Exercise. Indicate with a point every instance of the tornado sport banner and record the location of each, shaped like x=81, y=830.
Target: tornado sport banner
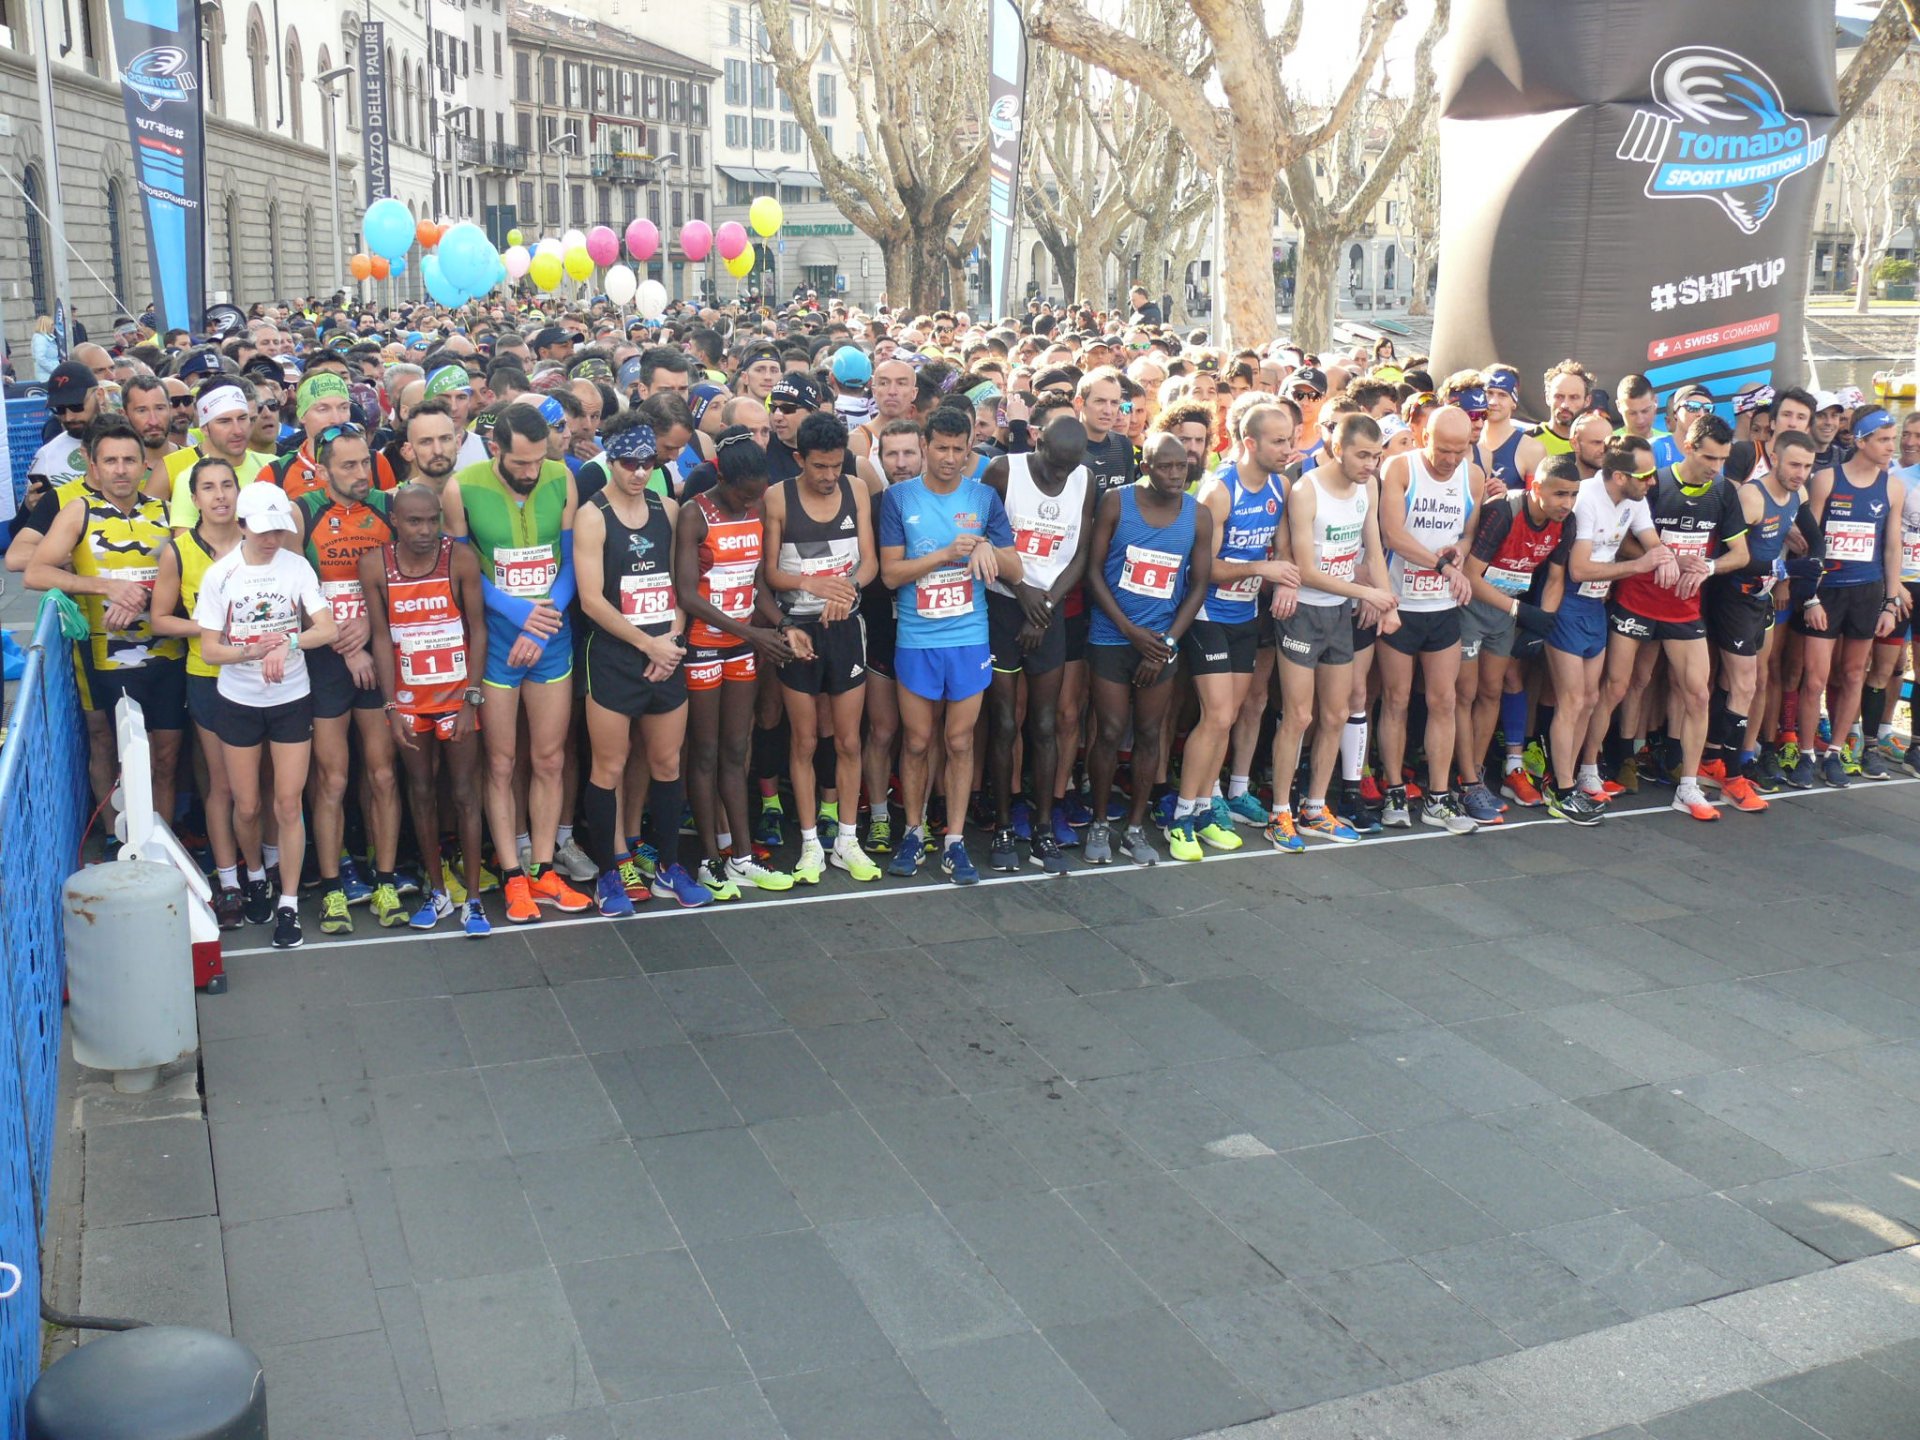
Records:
x=1632, y=183
x=159, y=45
x=1006, y=116
x=373, y=108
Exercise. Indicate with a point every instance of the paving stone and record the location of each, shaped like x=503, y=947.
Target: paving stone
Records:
x=255, y=1074
x=1048, y=1259
x=1530, y=1296
x=1153, y=1377
x=358, y=1142
x=718, y=1186
x=1039, y=910
x=1497, y=1174
x=340, y=1388
x=1285, y=1348
x=721, y=1000
x=1820, y=1212
x=376, y=1215
x=1404, y=1316
x=1803, y=1026
x=876, y=1063
x=1010, y=1385
x=427, y=1119
x=1394, y=1196
x=411, y=1354
x=977, y=1049
x=1095, y=901
x=1273, y=1106
x=1538, y=1051
x=1629, y=1264
x=173, y=1268
x=1258, y=1011
x=1456, y=1070
x=1848, y=1401
x=1687, y=1136
x=815, y=992
x=375, y=974
x=952, y=1151
x=1832, y=989
x=771, y=1077
x=1742, y=1414
x=789, y=1306
x=594, y=1424
x=1809, y=1133
x=493, y=966
x=1062, y=1134
x=1374, y=1092
x=594, y=1202
x=663, y=1090
x=728, y=1412
x=406, y=1037
x=1082, y=962
x=148, y=1170
x=1429, y=986
x=1169, y=1240
x=1596, y=1156
x=298, y=1277
x=1077, y=1040
x=1730, y=1239
x=1171, y=1027
x=550, y=1104
x=1502, y=969
x=506, y=1348
x=1896, y=1066
x=649, y=1325
x=1294, y=1224
x=877, y=1398
x=920, y=1282
x=837, y=1168
x=1887, y=1186
x=622, y=1013
x=466, y=1218
x=595, y=952
x=278, y=1162
x=508, y=1025
x=1168, y=1118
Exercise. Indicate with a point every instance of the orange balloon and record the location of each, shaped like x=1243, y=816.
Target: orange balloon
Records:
x=426, y=232
x=360, y=266
x=381, y=269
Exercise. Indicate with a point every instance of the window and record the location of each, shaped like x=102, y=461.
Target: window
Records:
x=733, y=25
x=313, y=245
x=736, y=82
x=696, y=151
x=736, y=130
x=117, y=243
x=296, y=91
x=577, y=203
x=762, y=86
x=679, y=209
x=526, y=201
x=826, y=47
x=420, y=104
x=629, y=202
x=523, y=130
x=673, y=145
x=826, y=133
x=628, y=88
x=786, y=103
x=576, y=89
x=233, y=246
x=273, y=245
x=480, y=44
x=828, y=97
x=349, y=86
x=697, y=103
x=257, y=65
x=653, y=206
x=602, y=88
x=699, y=204
x=676, y=102
x=497, y=70
x=549, y=80
x=789, y=138
x=35, y=193
x=762, y=134
x=604, y=202
x=523, y=77
x=554, y=219
x=650, y=96
x=549, y=131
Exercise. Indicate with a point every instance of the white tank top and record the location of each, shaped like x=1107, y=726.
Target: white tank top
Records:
x=1046, y=528
x=1910, y=525
x=1339, y=539
x=1437, y=512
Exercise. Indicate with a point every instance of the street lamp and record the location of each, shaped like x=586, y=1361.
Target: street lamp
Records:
x=558, y=145
x=326, y=80
x=773, y=265
x=445, y=202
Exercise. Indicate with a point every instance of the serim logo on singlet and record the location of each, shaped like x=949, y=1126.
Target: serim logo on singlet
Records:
x=1722, y=133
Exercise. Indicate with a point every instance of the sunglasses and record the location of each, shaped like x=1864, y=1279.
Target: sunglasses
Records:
x=1476, y=413
x=1126, y=407
x=1696, y=407
x=1643, y=474
x=785, y=408
x=180, y=402
x=630, y=462
x=69, y=409
x=349, y=431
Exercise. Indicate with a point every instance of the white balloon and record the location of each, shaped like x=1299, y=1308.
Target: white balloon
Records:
x=573, y=239
x=621, y=284
x=550, y=246
x=651, y=300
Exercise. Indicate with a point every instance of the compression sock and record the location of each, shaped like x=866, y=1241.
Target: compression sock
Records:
x=1353, y=748
x=1513, y=721
x=1873, y=708
x=665, y=800
x=601, y=810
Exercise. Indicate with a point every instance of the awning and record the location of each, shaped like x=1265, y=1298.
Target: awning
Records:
x=818, y=252
x=747, y=175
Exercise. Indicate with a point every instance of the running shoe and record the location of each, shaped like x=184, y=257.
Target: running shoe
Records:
x=1533, y=761
x=767, y=829
x=1628, y=776
x=1799, y=772
x=761, y=877
x=1247, y=810
x=286, y=928
x=406, y=881
x=1912, y=758
x=1117, y=809
x=1519, y=788
x=1739, y=793
x=1765, y=774
x=1021, y=814
x=1609, y=790
x=1064, y=835
x=335, y=918
x=908, y=855
x=674, y=883
x=571, y=861
x=1833, y=770
x=1075, y=809
x=521, y=906
x=1692, y=800
x=473, y=919
x=636, y=880
x=1395, y=811
x=716, y=882
x=1873, y=765
x=1005, y=854
x=1479, y=805
x=229, y=907
x=1713, y=774
x=387, y=910
x=450, y=882
x=435, y=906
x=1654, y=767
x=1045, y=852
x=1099, y=846
x=812, y=863
x=259, y=895
x=489, y=879
x=1322, y=823
x=1182, y=842
x=610, y=893
x=1370, y=791
x=880, y=834
x=1279, y=832
x=688, y=826
x=1137, y=848
x=1221, y=822
x=1576, y=807
x=957, y=864
x=828, y=822
x=1160, y=814
x=353, y=883
x=549, y=889
x=1890, y=750
x=1444, y=812
x=848, y=856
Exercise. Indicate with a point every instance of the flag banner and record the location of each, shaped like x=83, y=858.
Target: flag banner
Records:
x=1006, y=116
x=1632, y=184
x=159, y=42
x=373, y=107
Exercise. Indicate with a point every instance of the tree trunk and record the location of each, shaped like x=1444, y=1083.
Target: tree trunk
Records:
x=1066, y=264
x=1863, y=284
x=917, y=270
x=1249, y=309
x=1417, y=279
x=1315, y=281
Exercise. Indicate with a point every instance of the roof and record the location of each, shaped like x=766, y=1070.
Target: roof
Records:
x=747, y=175
x=552, y=24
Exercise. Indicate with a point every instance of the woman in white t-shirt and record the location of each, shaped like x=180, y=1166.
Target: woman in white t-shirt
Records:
x=260, y=608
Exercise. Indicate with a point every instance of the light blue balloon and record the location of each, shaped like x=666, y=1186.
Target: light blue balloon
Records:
x=467, y=257
x=397, y=267
x=439, y=285
x=387, y=229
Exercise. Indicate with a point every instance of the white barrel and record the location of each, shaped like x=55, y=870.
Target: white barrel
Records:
x=129, y=970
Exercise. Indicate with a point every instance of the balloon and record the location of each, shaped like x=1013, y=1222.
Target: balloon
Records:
x=550, y=246
x=741, y=265
x=643, y=239
x=514, y=237
x=730, y=239
x=443, y=290
x=427, y=234
x=545, y=270
x=603, y=245
x=696, y=238
x=578, y=263
x=516, y=259
x=388, y=228
x=765, y=215
x=651, y=302
x=573, y=240
x=360, y=266
x=621, y=283
x=381, y=267
x=466, y=256
x=397, y=267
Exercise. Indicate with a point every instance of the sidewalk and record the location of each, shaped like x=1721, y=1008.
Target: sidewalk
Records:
x=1536, y=1134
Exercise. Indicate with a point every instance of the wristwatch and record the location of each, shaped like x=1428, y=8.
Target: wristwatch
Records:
x=1167, y=640
x=474, y=695
x=679, y=639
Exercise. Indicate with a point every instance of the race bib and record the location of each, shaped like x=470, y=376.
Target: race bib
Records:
x=1247, y=587
x=349, y=602
x=246, y=631
x=1150, y=572
x=1685, y=543
x=433, y=654
x=1596, y=589
x=944, y=595
x=1910, y=554
x=1851, y=539
x=1423, y=584
x=142, y=575
x=841, y=565
x=1341, y=566
x=1510, y=582
x=1039, y=539
x=528, y=572
x=730, y=589
x=646, y=599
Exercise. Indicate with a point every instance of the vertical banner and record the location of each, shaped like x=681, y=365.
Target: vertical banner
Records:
x=159, y=41
x=1006, y=116
x=1632, y=183
x=373, y=107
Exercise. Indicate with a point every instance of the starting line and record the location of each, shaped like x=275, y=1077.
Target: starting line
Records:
x=881, y=890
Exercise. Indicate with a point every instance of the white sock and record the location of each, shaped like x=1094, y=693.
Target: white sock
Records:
x=523, y=841
x=230, y=876
x=1353, y=747
x=1238, y=785
x=1319, y=804
x=1216, y=790
x=809, y=836
x=290, y=902
x=1281, y=807
x=270, y=854
x=253, y=874
x=565, y=834
x=845, y=841
x=724, y=839
x=1883, y=732
x=1588, y=777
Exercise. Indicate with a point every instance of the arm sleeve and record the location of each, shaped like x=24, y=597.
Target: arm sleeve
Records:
x=511, y=608
x=565, y=584
x=1496, y=520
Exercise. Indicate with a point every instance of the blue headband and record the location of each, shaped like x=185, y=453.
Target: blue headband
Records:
x=631, y=444
x=1871, y=425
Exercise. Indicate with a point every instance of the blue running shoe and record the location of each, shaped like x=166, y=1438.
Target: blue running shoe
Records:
x=674, y=883
x=474, y=920
x=1160, y=816
x=1064, y=834
x=958, y=864
x=1117, y=809
x=767, y=829
x=1247, y=810
x=907, y=855
x=1075, y=808
x=433, y=909
x=1021, y=814
x=1833, y=770
x=354, y=881
x=611, y=893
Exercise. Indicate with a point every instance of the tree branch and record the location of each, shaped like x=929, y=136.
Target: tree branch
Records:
x=1893, y=29
x=1069, y=25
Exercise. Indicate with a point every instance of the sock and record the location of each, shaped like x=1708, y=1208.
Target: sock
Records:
x=562, y=835
x=230, y=877
x=290, y=902
x=1353, y=747
x=600, y=808
x=1280, y=805
x=522, y=841
x=809, y=835
x=385, y=877
x=955, y=838
x=1216, y=791
x=1587, y=777
x=1319, y=803
x=511, y=872
x=1239, y=785
x=329, y=884
x=665, y=800
x=830, y=810
x=723, y=839
x=1873, y=709
x=1513, y=718
x=254, y=876
x=270, y=855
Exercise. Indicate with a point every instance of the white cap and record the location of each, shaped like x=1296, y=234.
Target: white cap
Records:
x=263, y=507
x=1826, y=400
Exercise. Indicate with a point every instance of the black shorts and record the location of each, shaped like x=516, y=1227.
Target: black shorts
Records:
x=877, y=615
x=203, y=699
x=1005, y=620
x=1633, y=626
x=1220, y=647
x=1364, y=636
x=334, y=692
x=839, y=661
x=158, y=687
x=1077, y=628
x=1737, y=622
x=1423, y=632
x=1852, y=611
x=1118, y=663
x=288, y=723
x=616, y=678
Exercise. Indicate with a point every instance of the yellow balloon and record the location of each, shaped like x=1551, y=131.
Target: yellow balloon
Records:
x=514, y=237
x=741, y=265
x=545, y=271
x=765, y=215
x=578, y=262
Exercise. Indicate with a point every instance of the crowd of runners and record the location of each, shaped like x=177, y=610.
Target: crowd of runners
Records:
x=594, y=612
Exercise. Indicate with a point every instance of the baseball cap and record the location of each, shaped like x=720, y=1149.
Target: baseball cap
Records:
x=796, y=390
x=851, y=365
x=1822, y=400
x=699, y=397
x=69, y=383
x=1311, y=377
x=264, y=367
x=200, y=362
x=550, y=335
x=264, y=509
x=629, y=375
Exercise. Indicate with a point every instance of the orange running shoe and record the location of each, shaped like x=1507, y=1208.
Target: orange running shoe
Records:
x=1608, y=789
x=1700, y=809
x=1370, y=791
x=1519, y=788
x=1714, y=773
x=521, y=909
x=1739, y=792
x=550, y=889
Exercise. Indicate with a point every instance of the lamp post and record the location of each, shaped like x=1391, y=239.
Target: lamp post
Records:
x=773, y=267
x=559, y=145
x=326, y=80
x=661, y=163
x=445, y=202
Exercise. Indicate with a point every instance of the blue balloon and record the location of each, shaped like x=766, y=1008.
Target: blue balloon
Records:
x=439, y=285
x=397, y=267
x=387, y=229
x=467, y=257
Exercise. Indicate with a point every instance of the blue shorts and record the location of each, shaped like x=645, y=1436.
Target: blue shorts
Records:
x=958, y=672
x=556, y=663
x=1580, y=627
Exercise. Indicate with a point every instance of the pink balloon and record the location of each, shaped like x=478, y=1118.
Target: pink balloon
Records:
x=732, y=239
x=696, y=238
x=603, y=245
x=643, y=239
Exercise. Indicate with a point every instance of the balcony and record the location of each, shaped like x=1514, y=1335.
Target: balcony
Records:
x=624, y=169
x=469, y=151
x=509, y=158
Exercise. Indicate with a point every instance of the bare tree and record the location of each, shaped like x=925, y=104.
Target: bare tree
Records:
x=919, y=74
x=1420, y=185
x=1875, y=158
x=1895, y=28
x=1256, y=135
x=1068, y=191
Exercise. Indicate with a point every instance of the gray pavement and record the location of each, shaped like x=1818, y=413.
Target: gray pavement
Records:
x=1541, y=1133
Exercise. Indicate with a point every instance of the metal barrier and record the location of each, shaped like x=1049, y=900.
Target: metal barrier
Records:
x=43, y=811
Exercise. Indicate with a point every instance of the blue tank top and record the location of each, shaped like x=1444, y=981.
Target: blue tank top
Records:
x=1253, y=518
x=1506, y=463
x=1766, y=542
x=1853, y=531
x=1146, y=569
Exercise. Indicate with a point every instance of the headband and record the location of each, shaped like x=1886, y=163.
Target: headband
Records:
x=323, y=386
x=633, y=443
x=1873, y=424
x=222, y=400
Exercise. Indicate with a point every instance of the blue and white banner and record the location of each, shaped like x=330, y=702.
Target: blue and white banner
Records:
x=159, y=45
x=373, y=108
x=1006, y=118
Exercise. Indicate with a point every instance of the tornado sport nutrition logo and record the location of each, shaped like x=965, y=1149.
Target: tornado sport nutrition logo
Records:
x=1722, y=134
x=161, y=76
